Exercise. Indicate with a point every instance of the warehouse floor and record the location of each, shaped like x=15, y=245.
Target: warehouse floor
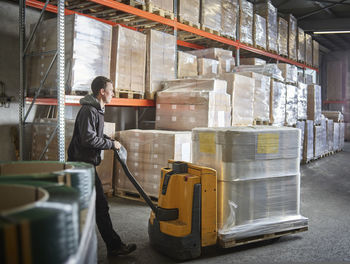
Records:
x=325, y=200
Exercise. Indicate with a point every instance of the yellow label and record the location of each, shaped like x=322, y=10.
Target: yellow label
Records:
x=268, y=143
x=207, y=143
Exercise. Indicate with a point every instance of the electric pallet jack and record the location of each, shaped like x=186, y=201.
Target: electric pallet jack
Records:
x=185, y=219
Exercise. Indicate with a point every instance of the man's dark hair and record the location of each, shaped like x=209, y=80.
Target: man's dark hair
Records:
x=100, y=82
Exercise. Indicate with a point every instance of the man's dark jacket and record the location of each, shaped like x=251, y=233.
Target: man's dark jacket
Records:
x=88, y=138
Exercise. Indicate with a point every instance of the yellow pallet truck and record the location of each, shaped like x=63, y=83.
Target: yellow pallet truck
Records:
x=185, y=219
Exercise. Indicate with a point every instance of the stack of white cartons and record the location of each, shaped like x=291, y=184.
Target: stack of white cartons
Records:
x=308, y=153
x=282, y=36
x=324, y=135
x=160, y=60
x=277, y=103
x=308, y=49
x=336, y=144
x=291, y=105
x=341, y=135
x=258, y=172
x=259, y=31
x=245, y=25
x=314, y=103
x=188, y=103
x=149, y=151
x=270, y=69
x=186, y=65
x=318, y=141
x=301, y=45
x=229, y=14
x=330, y=135
x=292, y=37
x=87, y=55
x=242, y=89
x=289, y=72
x=302, y=101
x=301, y=126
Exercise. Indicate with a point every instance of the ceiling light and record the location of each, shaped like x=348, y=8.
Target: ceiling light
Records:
x=332, y=32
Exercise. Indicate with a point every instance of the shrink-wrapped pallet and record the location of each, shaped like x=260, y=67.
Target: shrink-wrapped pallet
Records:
x=314, y=103
x=291, y=105
x=270, y=69
x=166, y=5
x=301, y=45
x=229, y=14
x=292, y=37
x=308, y=141
x=226, y=64
x=301, y=125
x=269, y=12
x=148, y=152
x=324, y=135
x=252, y=61
x=187, y=65
x=211, y=53
x=308, y=49
x=128, y=60
x=188, y=11
x=289, y=72
x=336, y=116
x=302, y=101
x=261, y=104
x=259, y=31
x=277, y=103
x=341, y=135
x=188, y=103
x=318, y=142
x=282, y=36
x=336, y=133
x=330, y=134
x=258, y=172
x=87, y=55
x=315, y=53
x=208, y=67
x=160, y=60
x=245, y=25
x=210, y=17
x=241, y=88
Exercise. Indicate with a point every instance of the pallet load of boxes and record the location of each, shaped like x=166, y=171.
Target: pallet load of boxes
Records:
x=254, y=122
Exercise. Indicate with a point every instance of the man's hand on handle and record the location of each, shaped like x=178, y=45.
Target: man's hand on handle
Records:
x=117, y=145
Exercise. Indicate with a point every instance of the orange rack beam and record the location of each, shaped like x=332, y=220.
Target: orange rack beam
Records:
x=72, y=100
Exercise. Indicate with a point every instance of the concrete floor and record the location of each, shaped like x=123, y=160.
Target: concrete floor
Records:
x=325, y=200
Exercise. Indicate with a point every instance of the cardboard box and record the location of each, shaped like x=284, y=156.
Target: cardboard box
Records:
x=301, y=45
x=229, y=17
x=314, y=103
x=188, y=10
x=259, y=31
x=245, y=25
x=277, y=103
x=292, y=37
x=211, y=15
x=282, y=36
x=187, y=65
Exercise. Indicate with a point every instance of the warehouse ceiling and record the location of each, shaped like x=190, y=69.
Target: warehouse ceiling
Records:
x=322, y=15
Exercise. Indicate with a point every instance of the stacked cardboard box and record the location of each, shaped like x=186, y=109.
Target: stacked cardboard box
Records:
x=291, y=105
x=245, y=25
x=315, y=53
x=188, y=10
x=128, y=60
x=330, y=135
x=87, y=55
x=292, y=37
x=336, y=143
x=241, y=88
x=302, y=101
x=149, y=151
x=160, y=60
x=229, y=14
x=259, y=31
x=282, y=36
x=252, y=61
x=208, y=67
x=277, y=103
x=289, y=72
x=211, y=53
x=258, y=173
x=301, y=45
x=211, y=14
x=166, y=5
x=186, y=65
x=341, y=135
x=318, y=147
x=269, y=12
x=308, y=141
x=301, y=125
x=188, y=103
x=308, y=49
x=324, y=135
x=314, y=103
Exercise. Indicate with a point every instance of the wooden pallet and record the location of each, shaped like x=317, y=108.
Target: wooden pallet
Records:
x=261, y=123
x=158, y=11
x=135, y=196
x=109, y=193
x=189, y=23
x=273, y=51
x=306, y=161
x=128, y=94
x=133, y=3
x=239, y=242
x=209, y=30
x=260, y=47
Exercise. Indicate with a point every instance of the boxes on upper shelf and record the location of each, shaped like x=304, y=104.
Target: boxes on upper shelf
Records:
x=291, y=105
x=301, y=45
x=245, y=25
x=259, y=31
x=315, y=53
x=308, y=49
x=210, y=17
x=188, y=11
x=229, y=14
x=282, y=36
x=292, y=37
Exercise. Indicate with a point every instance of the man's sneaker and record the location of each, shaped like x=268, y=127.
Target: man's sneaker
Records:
x=123, y=250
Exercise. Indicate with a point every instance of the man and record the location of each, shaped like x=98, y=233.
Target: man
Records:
x=86, y=145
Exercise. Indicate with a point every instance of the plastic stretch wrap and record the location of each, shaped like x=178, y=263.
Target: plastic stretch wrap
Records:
x=291, y=105
x=282, y=36
x=187, y=65
x=324, y=135
x=330, y=134
x=341, y=135
x=336, y=136
x=189, y=103
x=87, y=54
x=309, y=79
x=314, y=103
x=292, y=37
x=259, y=31
x=269, y=12
x=261, y=107
x=148, y=152
x=211, y=53
x=128, y=59
x=252, y=61
x=270, y=69
x=308, y=49
x=188, y=10
x=336, y=116
x=241, y=88
x=160, y=60
x=255, y=195
x=226, y=64
x=318, y=142
x=245, y=26
x=229, y=13
x=315, y=53
x=301, y=45
x=301, y=126
x=211, y=14
x=208, y=67
x=166, y=5
x=289, y=72
x=277, y=103
x=308, y=141
x=302, y=101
